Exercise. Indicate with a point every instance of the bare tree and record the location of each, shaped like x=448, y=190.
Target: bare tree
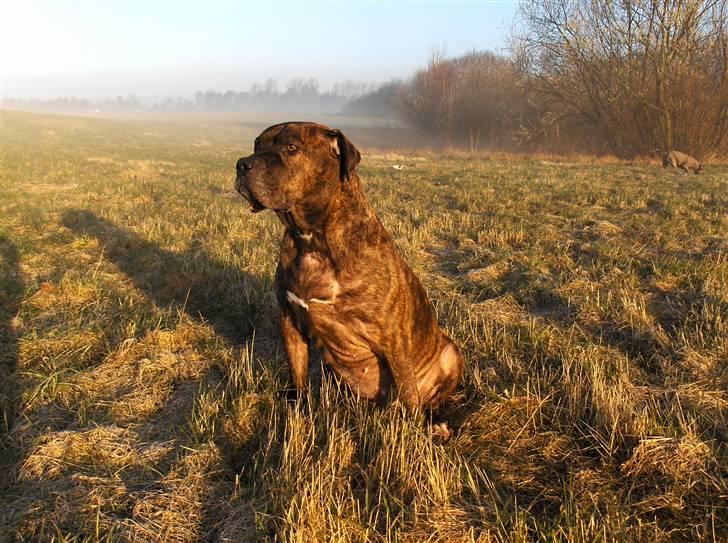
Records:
x=473, y=99
x=639, y=74
x=485, y=84
x=427, y=102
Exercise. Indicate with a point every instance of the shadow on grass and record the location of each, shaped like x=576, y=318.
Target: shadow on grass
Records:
x=230, y=300
x=11, y=289
x=226, y=297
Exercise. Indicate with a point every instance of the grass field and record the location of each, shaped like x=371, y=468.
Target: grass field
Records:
x=143, y=375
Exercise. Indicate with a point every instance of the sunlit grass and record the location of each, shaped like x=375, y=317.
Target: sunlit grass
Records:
x=145, y=398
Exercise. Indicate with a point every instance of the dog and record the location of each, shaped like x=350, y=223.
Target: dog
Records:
x=676, y=159
x=340, y=280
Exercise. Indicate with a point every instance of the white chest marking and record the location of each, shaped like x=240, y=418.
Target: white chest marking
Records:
x=320, y=301
x=300, y=301
x=296, y=300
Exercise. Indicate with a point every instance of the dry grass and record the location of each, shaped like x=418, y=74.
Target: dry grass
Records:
x=144, y=394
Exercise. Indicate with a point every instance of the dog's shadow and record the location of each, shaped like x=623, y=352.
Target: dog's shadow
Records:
x=11, y=292
x=223, y=295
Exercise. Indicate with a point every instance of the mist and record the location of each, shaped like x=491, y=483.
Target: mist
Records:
x=159, y=51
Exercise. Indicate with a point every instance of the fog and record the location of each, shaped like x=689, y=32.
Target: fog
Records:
x=159, y=52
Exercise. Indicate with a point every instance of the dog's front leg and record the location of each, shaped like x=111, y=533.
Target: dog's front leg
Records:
x=296, y=345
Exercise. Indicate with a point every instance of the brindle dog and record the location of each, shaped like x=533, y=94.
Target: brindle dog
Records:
x=340, y=279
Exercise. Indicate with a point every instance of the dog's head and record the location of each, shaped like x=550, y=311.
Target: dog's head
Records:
x=294, y=165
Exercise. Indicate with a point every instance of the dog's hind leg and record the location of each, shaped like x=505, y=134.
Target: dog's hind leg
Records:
x=443, y=375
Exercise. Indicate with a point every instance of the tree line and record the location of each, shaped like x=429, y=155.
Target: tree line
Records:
x=301, y=95
x=627, y=77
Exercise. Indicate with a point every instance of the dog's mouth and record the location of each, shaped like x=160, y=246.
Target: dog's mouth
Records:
x=253, y=203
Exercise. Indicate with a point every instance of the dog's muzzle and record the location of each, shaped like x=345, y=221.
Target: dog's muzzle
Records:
x=255, y=205
x=244, y=166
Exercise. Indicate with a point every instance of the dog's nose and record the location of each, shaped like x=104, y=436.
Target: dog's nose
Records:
x=244, y=165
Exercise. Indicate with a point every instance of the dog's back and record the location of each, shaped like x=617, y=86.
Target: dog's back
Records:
x=676, y=159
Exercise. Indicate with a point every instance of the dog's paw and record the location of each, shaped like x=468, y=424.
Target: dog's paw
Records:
x=441, y=431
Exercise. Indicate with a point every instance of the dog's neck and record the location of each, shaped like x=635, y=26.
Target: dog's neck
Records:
x=344, y=225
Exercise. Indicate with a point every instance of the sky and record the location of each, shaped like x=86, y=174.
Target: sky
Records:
x=155, y=49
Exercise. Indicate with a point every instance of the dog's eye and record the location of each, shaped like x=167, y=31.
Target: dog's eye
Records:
x=290, y=147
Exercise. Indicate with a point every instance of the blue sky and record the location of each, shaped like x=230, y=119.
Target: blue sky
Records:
x=161, y=48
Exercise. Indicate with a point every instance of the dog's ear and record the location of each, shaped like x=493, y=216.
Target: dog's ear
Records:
x=341, y=148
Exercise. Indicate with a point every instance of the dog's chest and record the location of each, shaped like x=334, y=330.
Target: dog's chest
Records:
x=311, y=282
